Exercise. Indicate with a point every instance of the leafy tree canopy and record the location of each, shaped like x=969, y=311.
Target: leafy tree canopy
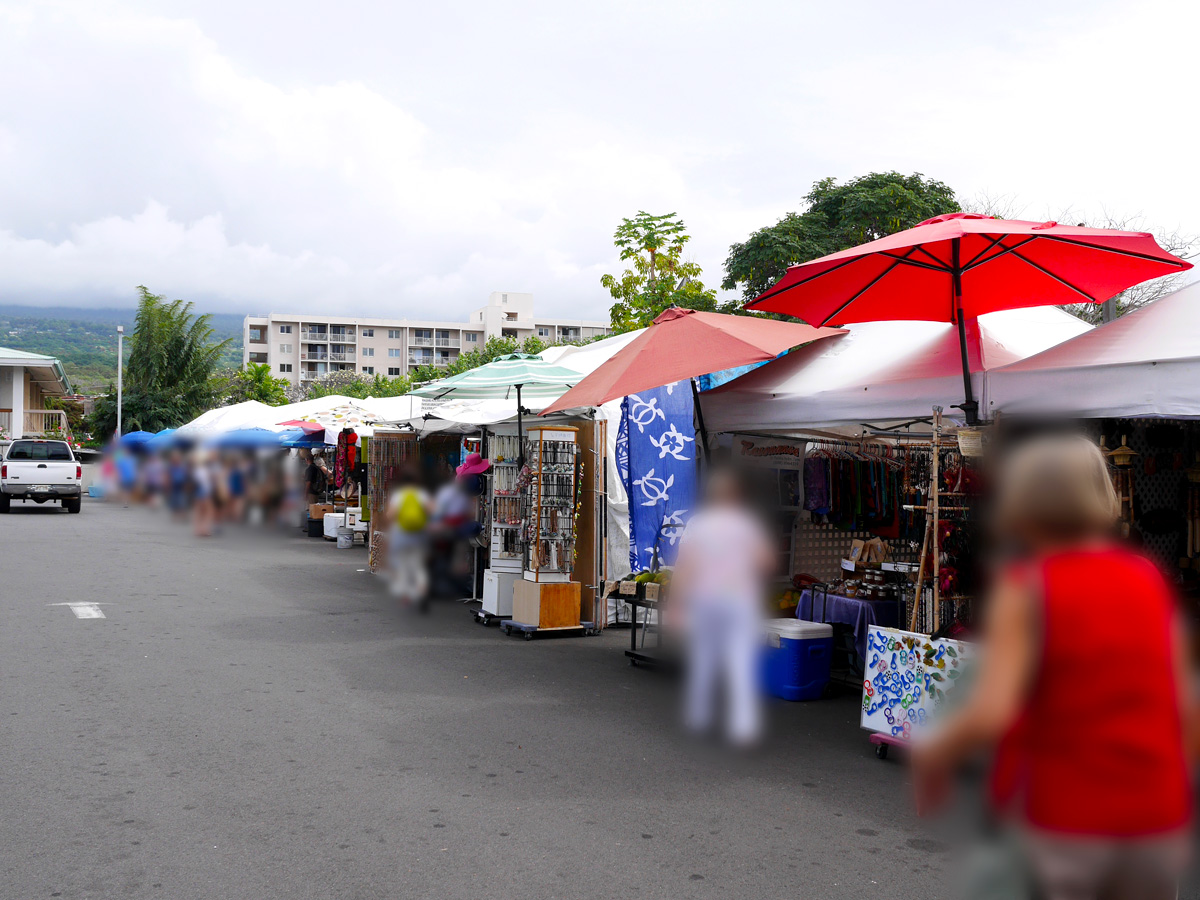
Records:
x=169, y=378
x=836, y=216
x=361, y=386
x=658, y=276
x=253, y=382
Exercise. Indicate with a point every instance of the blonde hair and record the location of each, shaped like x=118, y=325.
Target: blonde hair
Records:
x=1055, y=489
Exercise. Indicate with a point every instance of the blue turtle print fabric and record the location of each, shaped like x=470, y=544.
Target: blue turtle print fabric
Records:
x=656, y=456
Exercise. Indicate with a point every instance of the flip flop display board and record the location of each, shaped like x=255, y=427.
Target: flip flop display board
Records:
x=909, y=679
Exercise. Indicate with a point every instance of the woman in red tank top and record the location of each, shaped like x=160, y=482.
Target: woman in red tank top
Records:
x=1084, y=689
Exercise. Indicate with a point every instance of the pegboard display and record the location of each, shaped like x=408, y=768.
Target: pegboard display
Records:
x=820, y=549
x=1165, y=449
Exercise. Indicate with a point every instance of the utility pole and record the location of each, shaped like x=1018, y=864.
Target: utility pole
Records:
x=120, y=374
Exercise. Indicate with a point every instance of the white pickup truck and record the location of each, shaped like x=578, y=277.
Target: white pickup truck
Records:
x=40, y=470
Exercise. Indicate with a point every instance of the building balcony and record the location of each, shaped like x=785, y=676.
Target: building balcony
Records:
x=321, y=337
x=256, y=337
x=320, y=355
x=37, y=423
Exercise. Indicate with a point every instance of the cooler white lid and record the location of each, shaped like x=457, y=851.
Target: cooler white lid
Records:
x=799, y=629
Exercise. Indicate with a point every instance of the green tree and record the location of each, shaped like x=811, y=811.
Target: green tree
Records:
x=659, y=276
x=494, y=348
x=836, y=216
x=254, y=382
x=346, y=382
x=353, y=384
x=169, y=378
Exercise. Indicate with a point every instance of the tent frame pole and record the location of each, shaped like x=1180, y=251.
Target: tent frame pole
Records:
x=701, y=430
x=520, y=433
x=969, y=406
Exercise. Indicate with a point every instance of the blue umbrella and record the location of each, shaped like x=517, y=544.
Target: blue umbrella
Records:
x=248, y=439
x=297, y=438
x=162, y=440
x=135, y=438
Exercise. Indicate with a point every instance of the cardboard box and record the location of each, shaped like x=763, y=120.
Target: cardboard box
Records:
x=318, y=510
x=876, y=551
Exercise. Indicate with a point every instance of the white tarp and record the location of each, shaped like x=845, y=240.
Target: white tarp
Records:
x=880, y=372
x=1146, y=363
x=217, y=421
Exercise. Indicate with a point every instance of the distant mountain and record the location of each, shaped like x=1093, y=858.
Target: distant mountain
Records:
x=85, y=340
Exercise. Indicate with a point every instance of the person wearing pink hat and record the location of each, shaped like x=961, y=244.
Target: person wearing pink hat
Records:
x=473, y=465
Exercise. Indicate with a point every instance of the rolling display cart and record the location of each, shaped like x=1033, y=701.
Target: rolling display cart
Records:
x=545, y=598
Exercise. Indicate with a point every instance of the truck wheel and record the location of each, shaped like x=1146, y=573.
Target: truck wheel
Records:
x=72, y=506
x=5, y=500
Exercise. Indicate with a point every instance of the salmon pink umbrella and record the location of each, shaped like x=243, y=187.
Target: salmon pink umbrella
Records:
x=304, y=425
x=685, y=343
x=959, y=266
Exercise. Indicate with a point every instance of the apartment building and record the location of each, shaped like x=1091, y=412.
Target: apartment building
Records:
x=305, y=348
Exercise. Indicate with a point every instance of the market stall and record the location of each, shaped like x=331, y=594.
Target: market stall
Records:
x=1132, y=384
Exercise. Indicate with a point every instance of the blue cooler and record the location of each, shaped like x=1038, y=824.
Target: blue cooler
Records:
x=797, y=657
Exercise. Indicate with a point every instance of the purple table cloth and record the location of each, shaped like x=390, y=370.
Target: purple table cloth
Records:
x=856, y=611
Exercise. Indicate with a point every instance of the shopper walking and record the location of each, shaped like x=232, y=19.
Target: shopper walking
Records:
x=719, y=584
x=408, y=545
x=1083, y=688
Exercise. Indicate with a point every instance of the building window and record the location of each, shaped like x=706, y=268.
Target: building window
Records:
x=368, y=332
x=368, y=370
x=393, y=334
x=285, y=367
x=285, y=348
x=393, y=370
x=393, y=351
x=504, y=298
x=472, y=337
x=368, y=351
x=285, y=329
x=543, y=331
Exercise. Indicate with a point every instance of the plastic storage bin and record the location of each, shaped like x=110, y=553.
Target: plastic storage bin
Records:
x=797, y=657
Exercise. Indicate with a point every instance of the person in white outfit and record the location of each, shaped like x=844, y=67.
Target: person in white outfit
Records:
x=720, y=578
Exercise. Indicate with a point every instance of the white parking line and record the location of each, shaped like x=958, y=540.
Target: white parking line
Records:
x=83, y=610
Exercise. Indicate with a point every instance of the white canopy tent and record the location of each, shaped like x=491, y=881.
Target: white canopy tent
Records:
x=249, y=414
x=1146, y=363
x=880, y=372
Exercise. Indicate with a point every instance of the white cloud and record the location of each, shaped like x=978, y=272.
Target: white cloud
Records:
x=412, y=159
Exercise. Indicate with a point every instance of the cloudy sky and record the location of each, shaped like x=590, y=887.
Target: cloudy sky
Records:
x=407, y=158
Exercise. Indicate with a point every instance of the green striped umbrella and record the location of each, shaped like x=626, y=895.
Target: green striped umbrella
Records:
x=523, y=374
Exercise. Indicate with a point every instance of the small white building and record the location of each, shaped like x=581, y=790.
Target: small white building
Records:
x=26, y=380
x=305, y=348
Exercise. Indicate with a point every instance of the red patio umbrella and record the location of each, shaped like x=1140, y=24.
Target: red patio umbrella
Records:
x=962, y=265
x=685, y=343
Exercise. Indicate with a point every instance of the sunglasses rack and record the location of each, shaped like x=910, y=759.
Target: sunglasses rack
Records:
x=548, y=528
